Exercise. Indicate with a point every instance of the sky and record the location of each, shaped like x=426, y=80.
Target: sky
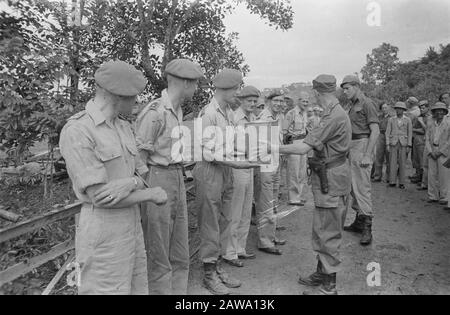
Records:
x=334, y=37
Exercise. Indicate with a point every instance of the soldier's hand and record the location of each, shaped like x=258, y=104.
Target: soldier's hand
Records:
x=366, y=161
x=113, y=192
x=408, y=149
x=159, y=196
x=388, y=148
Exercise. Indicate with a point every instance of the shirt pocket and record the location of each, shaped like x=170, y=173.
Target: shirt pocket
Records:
x=108, y=153
x=132, y=148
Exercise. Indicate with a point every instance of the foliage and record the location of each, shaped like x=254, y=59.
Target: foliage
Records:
x=425, y=78
x=47, y=64
x=381, y=64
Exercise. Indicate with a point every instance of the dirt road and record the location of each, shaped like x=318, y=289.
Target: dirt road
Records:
x=411, y=245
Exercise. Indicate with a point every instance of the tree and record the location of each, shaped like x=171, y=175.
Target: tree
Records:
x=424, y=78
x=381, y=65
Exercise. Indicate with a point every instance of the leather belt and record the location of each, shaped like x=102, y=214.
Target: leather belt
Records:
x=177, y=166
x=359, y=136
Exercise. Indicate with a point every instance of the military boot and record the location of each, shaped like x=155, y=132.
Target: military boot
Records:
x=328, y=287
x=226, y=279
x=212, y=281
x=315, y=279
x=356, y=226
x=366, y=238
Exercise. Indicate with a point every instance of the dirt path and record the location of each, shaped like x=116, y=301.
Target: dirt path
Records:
x=411, y=244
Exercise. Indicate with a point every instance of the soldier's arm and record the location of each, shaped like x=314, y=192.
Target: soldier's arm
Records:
x=410, y=133
x=388, y=131
x=156, y=195
x=87, y=171
x=446, y=148
x=374, y=134
x=315, y=139
x=148, y=128
x=373, y=121
x=428, y=141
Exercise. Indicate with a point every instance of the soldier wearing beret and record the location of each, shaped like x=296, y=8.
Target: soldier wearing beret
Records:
x=398, y=143
x=267, y=184
x=166, y=226
x=214, y=181
x=330, y=142
x=365, y=132
x=102, y=159
x=234, y=249
x=295, y=127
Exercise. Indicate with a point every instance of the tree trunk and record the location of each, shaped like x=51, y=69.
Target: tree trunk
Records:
x=145, y=53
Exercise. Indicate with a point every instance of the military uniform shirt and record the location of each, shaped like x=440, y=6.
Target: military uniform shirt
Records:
x=362, y=114
x=333, y=136
x=295, y=122
x=154, y=127
x=97, y=151
x=214, y=116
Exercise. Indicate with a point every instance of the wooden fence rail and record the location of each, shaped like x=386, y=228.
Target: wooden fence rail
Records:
x=31, y=225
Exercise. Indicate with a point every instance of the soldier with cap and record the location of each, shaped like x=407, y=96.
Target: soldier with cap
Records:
x=235, y=242
x=295, y=127
x=166, y=226
x=214, y=180
x=438, y=146
x=399, y=143
x=267, y=184
x=365, y=132
x=331, y=144
x=102, y=159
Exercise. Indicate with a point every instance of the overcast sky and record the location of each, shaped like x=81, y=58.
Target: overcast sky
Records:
x=333, y=36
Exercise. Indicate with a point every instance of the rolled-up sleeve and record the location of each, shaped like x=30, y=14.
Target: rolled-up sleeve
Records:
x=371, y=112
x=147, y=130
x=83, y=165
x=321, y=134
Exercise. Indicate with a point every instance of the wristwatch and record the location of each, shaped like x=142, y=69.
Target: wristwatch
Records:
x=135, y=182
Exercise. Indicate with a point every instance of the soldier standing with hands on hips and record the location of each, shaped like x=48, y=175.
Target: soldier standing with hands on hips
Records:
x=102, y=158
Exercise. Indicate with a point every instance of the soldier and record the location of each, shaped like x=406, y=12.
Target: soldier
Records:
x=267, y=186
x=214, y=181
x=242, y=199
x=424, y=120
x=419, y=130
x=365, y=132
x=102, y=158
x=438, y=144
x=294, y=127
x=399, y=143
x=166, y=226
x=331, y=144
x=260, y=106
x=382, y=155
x=413, y=113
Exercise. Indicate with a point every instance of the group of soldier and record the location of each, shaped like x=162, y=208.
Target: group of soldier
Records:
x=421, y=131
x=132, y=234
